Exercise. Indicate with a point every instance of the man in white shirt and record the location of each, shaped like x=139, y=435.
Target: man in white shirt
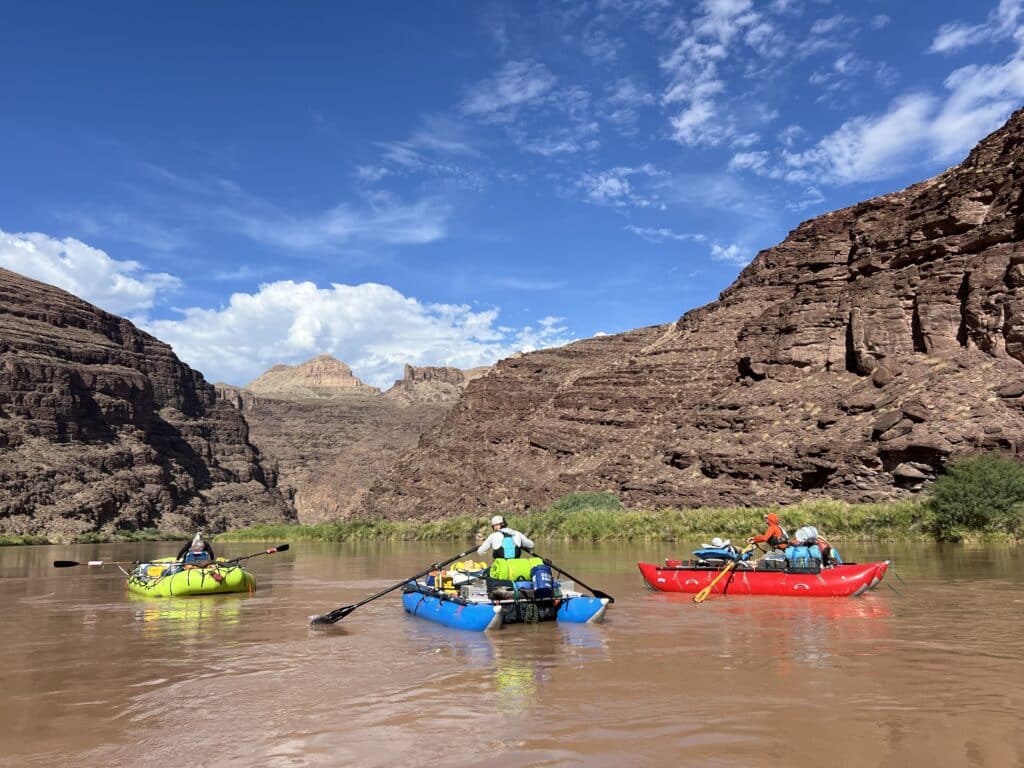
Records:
x=503, y=541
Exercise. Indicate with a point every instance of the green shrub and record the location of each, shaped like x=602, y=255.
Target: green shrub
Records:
x=978, y=493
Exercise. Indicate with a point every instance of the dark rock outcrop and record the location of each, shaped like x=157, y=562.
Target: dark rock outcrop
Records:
x=102, y=427
x=851, y=361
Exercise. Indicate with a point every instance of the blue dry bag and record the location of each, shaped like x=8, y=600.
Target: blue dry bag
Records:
x=543, y=581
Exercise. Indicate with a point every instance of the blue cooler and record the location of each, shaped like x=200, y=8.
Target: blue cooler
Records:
x=543, y=581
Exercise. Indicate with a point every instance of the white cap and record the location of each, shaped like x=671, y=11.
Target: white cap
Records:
x=197, y=541
x=497, y=520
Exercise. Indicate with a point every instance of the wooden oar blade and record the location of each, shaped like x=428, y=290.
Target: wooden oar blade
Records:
x=65, y=563
x=334, y=616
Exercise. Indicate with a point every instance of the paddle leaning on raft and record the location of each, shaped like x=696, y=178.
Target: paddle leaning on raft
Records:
x=723, y=573
x=475, y=599
x=170, y=577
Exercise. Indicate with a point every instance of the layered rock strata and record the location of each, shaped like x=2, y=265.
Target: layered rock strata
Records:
x=322, y=377
x=328, y=449
x=102, y=427
x=851, y=361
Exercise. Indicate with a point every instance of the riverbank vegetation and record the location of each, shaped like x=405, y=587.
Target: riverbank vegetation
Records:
x=95, y=537
x=602, y=517
x=978, y=498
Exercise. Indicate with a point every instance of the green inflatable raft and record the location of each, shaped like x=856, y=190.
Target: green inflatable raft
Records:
x=167, y=577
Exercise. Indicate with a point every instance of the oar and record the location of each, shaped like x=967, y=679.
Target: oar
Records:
x=340, y=613
x=93, y=563
x=272, y=550
x=595, y=592
x=198, y=564
x=701, y=596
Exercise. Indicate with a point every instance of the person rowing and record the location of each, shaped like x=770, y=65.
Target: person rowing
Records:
x=774, y=536
x=504, y=542
x=197, y=551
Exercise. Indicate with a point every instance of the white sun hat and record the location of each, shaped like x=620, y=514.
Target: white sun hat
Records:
x=497, y=520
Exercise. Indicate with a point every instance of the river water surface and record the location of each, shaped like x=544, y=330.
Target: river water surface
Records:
x=91, y=676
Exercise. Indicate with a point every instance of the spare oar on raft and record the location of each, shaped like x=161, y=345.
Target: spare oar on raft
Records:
x=340, y=613
x=595, y=592
x=701, y=596
x=196, y=564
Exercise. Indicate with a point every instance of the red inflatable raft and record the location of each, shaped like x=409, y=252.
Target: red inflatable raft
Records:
x=837, y=581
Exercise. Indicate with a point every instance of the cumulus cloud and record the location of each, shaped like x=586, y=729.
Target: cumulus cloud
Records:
x=1000, y=25
x=372, y=327
x=120, y=287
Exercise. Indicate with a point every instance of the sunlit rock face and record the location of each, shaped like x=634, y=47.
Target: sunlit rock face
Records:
x=850, y=361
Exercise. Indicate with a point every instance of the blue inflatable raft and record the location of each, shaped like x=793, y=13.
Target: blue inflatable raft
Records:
x=481, y=614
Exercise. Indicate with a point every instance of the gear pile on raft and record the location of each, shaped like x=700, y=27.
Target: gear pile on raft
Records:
x=806, y=565
x=517, y=588
x=196, y=570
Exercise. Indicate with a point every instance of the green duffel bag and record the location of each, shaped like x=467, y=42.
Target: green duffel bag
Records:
x=517, y=569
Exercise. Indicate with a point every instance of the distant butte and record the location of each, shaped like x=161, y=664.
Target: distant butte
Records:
x=322, y=377
x=329, y=435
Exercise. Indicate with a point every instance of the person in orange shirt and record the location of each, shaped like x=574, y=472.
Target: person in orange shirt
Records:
x=774, y=536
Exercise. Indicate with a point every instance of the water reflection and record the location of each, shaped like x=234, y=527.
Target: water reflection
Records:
x=187, y=615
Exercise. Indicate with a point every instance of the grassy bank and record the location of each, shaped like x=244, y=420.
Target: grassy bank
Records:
x=95, y=537
x=601, y=517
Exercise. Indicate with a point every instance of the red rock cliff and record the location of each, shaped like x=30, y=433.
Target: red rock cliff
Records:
x=102, y=427
x=849, y=361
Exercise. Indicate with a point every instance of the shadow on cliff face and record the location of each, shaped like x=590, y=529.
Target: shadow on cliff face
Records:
x=175, y=453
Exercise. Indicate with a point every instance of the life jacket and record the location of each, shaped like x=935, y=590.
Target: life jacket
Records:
x=195, y=555
x=779, y=542
x=508, y=548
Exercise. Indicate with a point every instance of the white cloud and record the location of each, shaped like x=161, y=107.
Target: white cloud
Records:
x=1000, y=25
x=811, y=197
x=789, y=135
x=916, y=127
x=749, y=161
x=623, y=102
x=117, y=286
x=732, y=254
x=614, y=188
x=663, y=234
x=383, y=220
x=696, y=85
x=517, y=84
x=372, y=327
x=880, y=21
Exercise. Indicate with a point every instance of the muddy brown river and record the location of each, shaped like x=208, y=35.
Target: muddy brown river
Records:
x=91, y=676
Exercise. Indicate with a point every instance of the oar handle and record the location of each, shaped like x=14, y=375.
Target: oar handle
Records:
x=338, y=614
x=701, y=596
x=595, y=592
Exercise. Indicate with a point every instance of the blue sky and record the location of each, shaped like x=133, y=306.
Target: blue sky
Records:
x=447, y=183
